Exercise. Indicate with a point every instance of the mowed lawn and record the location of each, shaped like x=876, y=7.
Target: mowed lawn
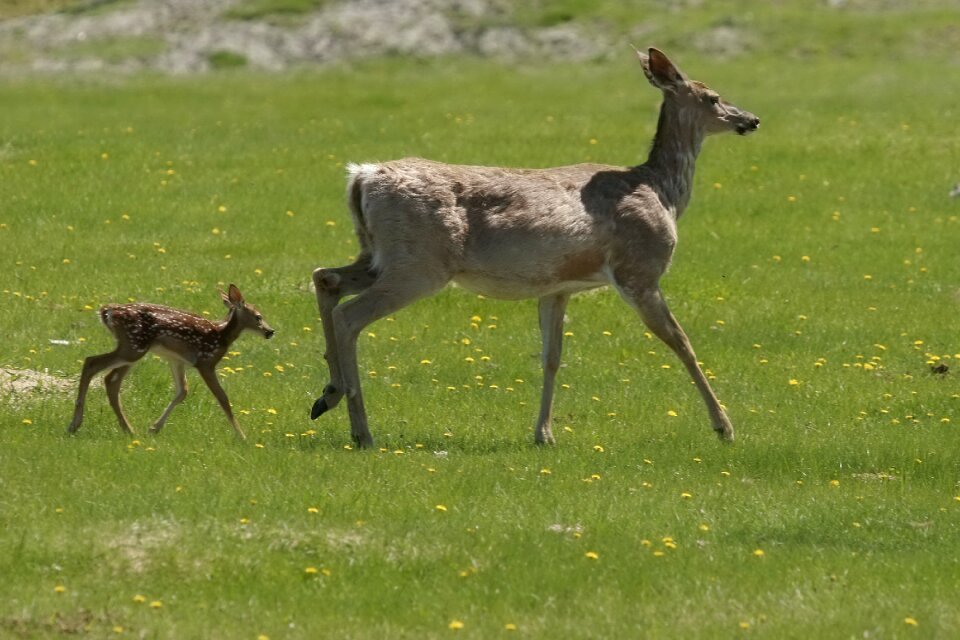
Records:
x=817, y=275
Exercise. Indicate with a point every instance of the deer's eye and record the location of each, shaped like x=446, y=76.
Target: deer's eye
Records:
x=714, y=100
x=259, y=318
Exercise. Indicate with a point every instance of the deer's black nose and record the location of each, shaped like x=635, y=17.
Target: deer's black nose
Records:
x=269, y=334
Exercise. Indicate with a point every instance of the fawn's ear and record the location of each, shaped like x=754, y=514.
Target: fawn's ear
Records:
x=661, y=73
x=234, y=295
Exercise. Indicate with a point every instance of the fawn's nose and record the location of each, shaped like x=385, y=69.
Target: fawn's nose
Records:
x=268, y=333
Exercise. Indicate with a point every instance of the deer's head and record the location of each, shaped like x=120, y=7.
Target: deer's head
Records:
x=695, y=99
x=248, y=316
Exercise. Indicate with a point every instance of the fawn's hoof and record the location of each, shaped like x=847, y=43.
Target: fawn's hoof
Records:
x=319, y=408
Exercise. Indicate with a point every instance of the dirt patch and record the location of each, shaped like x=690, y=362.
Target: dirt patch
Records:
x=134, y=547
x=20, y=383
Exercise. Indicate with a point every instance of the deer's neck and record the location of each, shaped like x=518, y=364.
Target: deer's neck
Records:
x=673, y=155
x=229, y=330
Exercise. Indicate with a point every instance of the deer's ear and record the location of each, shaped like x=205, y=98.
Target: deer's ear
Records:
x=234, y=295
x=661, y=73
x=226, y=299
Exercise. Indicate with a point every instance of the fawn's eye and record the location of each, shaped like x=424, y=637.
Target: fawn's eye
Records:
x=259, y=318
x=714, y=99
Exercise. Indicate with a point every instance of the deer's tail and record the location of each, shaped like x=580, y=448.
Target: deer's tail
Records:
x=358, y=173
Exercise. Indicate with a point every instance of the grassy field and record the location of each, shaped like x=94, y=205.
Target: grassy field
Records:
x=817, y=276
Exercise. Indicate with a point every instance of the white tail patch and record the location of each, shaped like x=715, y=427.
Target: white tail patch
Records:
x=106, y=317
x=362, y=170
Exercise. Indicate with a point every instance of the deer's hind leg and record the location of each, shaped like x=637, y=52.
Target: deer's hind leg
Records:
x=112, y=382
x=391, y=291
x=93, y=365
x=331, y=286
x=551, y=330
x=647, y=298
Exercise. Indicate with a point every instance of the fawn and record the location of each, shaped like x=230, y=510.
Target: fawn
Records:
x=181, y=337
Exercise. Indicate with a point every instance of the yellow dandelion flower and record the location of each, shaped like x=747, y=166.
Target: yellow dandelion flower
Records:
x=59, y=589
x=704, y=527
x=313, y=510
x=592, y=555
x=834, y=483
x=510, y=627
x=139, y=599
x=744, y=625
x=545, y=472
x=441, y=507
x=911, y=621
x=672, y=413
x=156, y=604
x=686, y=496
x=598, y=448
x=455, y=625
x=311, y=571
x=759, y=553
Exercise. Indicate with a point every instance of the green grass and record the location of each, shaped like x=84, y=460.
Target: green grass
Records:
x=273, y=9
x=114, y=50
x=166, y=189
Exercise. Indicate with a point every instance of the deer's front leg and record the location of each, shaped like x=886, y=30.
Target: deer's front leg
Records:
x=331, y=285
x=209, y=375
x=655, y=313
x=179, y=393
x=551, y=331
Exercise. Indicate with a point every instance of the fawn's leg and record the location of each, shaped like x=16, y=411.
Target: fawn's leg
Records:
x=179, y=393
x=91, y=367
x=551, y=332
x=656, y=314
x=331, y=286
x=209, y=375
x=391, y=292
x=112, y=381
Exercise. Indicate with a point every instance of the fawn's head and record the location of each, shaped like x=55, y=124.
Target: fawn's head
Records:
x=247, y=315
x=698, y=101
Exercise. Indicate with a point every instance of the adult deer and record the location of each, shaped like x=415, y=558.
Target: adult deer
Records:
x=522, y=233
x=181, y=337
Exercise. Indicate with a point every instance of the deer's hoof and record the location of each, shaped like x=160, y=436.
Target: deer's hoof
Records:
x=363, y=441
x=544, y=439
x=319, y=408
x=725, y=435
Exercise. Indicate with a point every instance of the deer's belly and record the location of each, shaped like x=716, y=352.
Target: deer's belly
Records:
x=509, y=287
x=172, y=354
